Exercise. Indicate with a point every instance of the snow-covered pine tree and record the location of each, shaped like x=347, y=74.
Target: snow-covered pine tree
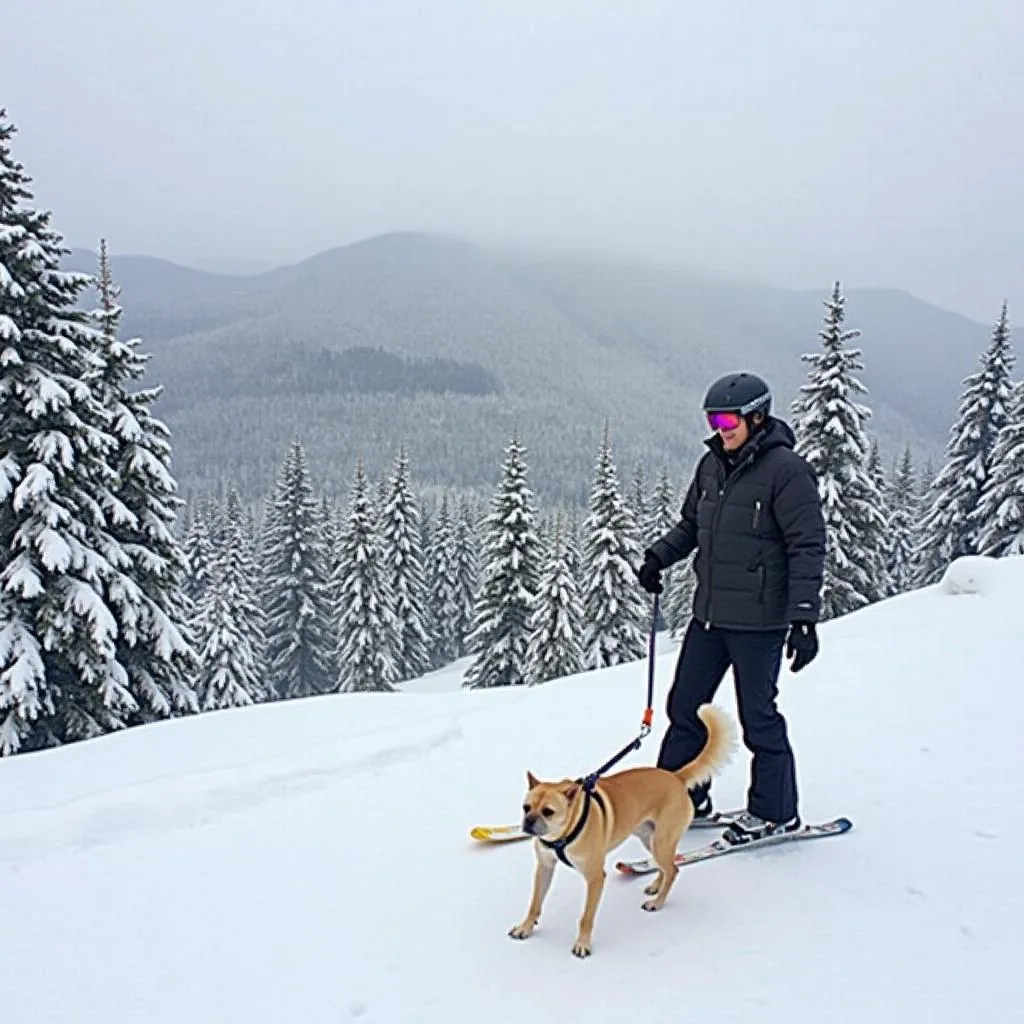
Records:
x=380, y=500
x=230, y=627
x=545, y=535
x=148, y=595
x=328, y=536
x=402, y=559
x=509, y=576
x=613, y=607
x=677, y=605
x=676, y=601
x=555, y=625
x=200, y=549
x=950, y=526
x=299, y=613
x=639, y=501
x=573, y=549
x=904, y=508
x=228, y=673
x=829, y=425
x=925, y=483
x=60, y=678
x=883, y=584
x=467, y=563
x=367, y=630
x=264, y=534
x=443, y=592
x=1000, y=514
x=661, y=510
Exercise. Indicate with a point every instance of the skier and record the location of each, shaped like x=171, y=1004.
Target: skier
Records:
x=753, y=515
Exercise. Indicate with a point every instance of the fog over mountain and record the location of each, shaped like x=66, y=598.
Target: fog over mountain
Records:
x=787, y=142
x=449, y=347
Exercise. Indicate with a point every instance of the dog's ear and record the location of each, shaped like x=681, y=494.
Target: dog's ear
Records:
x=570, y=791
x=531, y=781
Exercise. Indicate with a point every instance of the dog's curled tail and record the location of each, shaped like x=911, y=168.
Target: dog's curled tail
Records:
x=718, y=749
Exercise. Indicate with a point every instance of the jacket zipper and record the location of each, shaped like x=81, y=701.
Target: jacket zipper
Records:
x=757, y=512
x=729, y=478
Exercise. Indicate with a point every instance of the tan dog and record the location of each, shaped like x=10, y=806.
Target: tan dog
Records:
x=650, y=803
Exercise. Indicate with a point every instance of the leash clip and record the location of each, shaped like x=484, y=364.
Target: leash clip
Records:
x=645, y=726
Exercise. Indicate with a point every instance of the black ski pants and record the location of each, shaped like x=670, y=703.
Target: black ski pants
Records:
x=755, y=657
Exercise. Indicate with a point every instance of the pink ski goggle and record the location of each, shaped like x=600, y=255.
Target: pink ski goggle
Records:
x=724, y=420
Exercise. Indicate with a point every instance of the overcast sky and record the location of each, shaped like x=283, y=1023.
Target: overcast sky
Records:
x=876, y=141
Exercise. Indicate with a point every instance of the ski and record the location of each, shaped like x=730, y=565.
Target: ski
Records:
x=716, y=819
x=497, y=833
x=511, y=833
x=719, y=848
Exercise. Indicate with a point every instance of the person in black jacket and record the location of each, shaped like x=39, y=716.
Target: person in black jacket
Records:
x=753, y=515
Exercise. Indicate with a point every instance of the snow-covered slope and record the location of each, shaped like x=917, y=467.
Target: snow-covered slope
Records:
x=309, y=862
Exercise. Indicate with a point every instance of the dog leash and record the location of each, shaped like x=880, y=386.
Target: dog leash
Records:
x=645, y=728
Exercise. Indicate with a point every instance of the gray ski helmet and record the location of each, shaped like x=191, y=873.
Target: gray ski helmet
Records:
x=744, y=393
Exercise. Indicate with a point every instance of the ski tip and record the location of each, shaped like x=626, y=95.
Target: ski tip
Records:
x=497, y=833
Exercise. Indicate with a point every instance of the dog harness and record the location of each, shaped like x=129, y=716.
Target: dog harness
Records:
x=560, y=845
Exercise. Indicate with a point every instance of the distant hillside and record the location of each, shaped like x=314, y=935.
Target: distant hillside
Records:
x=552, y=347
x=229, y=265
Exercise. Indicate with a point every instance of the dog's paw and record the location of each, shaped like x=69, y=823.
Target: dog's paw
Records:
x=581, y=949
x=521, y=931
x=651, y=905
x=652, y=889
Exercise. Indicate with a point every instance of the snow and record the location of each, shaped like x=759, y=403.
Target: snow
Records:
x=9, y=332
x=309, y=860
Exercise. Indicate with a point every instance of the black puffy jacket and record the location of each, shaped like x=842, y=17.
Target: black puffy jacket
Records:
x=756, y=522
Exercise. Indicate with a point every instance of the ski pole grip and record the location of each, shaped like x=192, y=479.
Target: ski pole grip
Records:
x=648, y=716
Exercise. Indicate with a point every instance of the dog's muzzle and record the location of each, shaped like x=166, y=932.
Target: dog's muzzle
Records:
x=530, y=824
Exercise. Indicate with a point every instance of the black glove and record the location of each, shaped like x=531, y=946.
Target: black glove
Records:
x=801, y=644
x=649, y=574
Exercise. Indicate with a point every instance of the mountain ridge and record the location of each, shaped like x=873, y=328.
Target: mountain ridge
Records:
x=571, y=341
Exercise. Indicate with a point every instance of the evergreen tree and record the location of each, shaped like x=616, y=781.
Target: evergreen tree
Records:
x=612, y=602
x=903, y=525
x=661, y=510
x=368, y=634
x=402, y=556
x=444, y=597
x=200, y=550
x=950, y=527
x=329, y=537
x=60, y=677
x=148, y=594
x=926, y=484
x=1001, y=511
x=881, y=576
x=554, y=648
x=829, y=425
x=572, y=548
x=509, y=578
x=299, y=614
x=230, y=629
x=678, y=581
x=639, y=502
x=467, y=569
x=229, y=672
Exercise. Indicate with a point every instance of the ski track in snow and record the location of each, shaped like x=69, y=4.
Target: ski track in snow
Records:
x=190, y=800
